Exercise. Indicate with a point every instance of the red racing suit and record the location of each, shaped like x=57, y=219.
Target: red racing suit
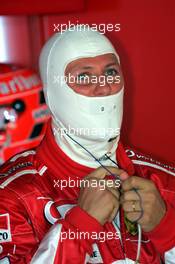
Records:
x=40, y=222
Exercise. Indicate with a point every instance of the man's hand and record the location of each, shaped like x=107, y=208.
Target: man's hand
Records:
x=151, y=201
x=101, y=203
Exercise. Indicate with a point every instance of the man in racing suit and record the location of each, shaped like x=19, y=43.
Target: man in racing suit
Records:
x=46, y=216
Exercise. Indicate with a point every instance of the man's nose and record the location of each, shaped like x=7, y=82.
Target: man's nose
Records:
x=102, y=88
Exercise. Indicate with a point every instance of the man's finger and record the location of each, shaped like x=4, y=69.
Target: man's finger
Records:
x=124, y=176
x=133, y=216
x=129, y=196
x=114, y=191
x=100, y=172
x=137, y=183
x=112, y=216
x=128, y=206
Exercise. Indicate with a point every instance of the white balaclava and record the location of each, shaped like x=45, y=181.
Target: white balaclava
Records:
x=91, y=121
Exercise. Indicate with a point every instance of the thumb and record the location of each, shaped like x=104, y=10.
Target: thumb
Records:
x=124, y=176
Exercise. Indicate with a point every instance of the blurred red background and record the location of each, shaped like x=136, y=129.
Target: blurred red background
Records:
x=145, y=43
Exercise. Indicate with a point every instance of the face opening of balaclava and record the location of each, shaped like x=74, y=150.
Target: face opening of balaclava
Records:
x=91, y=121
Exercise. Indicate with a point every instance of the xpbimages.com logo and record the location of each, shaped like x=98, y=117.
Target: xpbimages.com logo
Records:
x=102, y=184
x=80, y=235
x=102, y=80
x=102, y=27
x=101, y=133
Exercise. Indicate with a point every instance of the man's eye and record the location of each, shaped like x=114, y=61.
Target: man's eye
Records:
x=83, y=78
x=111, y=72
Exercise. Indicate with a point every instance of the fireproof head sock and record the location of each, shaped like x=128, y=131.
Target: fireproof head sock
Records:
x=71, y=110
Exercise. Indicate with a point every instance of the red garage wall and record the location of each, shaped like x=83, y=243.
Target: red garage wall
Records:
x=146, y=44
